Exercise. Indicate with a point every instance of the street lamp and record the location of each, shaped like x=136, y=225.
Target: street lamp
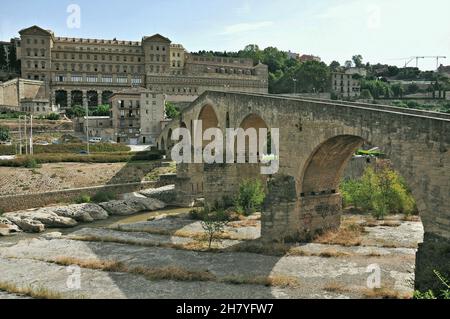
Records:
x=295, y=85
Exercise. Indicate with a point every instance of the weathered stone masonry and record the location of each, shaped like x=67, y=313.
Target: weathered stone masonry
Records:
x=317, y=139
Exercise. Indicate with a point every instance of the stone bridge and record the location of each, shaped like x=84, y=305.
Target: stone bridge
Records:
x=317, y=139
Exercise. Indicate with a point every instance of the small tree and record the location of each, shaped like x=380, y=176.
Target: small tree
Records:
x=53, y=117
x=172, y=112
x=214, y=224
x=4, y=134
x=251, y=196
x=102, y=110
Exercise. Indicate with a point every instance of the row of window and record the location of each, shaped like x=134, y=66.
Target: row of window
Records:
x=95, y=57
x=118, y=68
x=95, y=79
x=102, y=49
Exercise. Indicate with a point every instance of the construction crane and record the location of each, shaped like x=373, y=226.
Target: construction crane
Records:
x=437, y=57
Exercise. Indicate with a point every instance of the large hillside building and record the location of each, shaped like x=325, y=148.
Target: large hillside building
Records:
x=88, y=71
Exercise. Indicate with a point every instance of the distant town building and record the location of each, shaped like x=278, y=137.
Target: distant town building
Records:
x=37, y=106
x=347, y=82
x=308, y=57
x=97, y=126
x=87, y=72
x=13, y=92
x=137, y=116
x=293, y=55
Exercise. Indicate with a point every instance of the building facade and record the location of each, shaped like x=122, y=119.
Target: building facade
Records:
x=347, y=82
x=38, y=107
x=87, y=72
x=137, y=116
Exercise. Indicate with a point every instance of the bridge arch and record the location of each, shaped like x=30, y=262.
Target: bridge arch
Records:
x=255, y=121
x=323, y=170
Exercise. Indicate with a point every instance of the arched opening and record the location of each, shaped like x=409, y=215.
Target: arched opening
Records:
x=106, y=95
x=92, y=98
x=77, y=98
x=324, y=168
x=61, y=98
x=256, y=122
x=163, y=145
x=209, y=120
x=170, y=143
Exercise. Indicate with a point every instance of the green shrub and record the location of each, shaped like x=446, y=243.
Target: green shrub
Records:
x=83, y=199
x=31, y=163
x=53, y=117
x=4, y=134
x=103, y=196
x=430, y=294
x=380, y=191
x=250, y=197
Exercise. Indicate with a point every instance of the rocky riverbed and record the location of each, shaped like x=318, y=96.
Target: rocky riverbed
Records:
x=164, y=255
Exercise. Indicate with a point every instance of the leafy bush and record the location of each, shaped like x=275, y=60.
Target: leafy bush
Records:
x=31, y=163
x=102, y=197
x=250, y=197
x=4, y=134
x=83, y=199
x=430, y=294
x=380, y=191
x=53, y=117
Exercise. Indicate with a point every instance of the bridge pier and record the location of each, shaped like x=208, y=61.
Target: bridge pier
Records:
x=288, y=217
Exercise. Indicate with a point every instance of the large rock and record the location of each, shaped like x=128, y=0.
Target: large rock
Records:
x=7, y=227
x=167, y=194
x=82, y=212
x=132, y=203
x=150, y=204
x=28, y=225
x=43, y=215
x=123, y=207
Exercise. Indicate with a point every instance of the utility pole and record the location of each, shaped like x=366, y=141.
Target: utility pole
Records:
x=87, y=129
x=20, y=135
x=295, y=85
x=31, y=135
x=25, y=135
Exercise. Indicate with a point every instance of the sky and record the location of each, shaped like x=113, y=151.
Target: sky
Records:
x=385, y=31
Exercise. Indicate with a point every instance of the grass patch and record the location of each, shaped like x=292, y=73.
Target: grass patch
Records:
x=348, y=235
x=271, y=281
x=29, y=291
x=384, y=293
x=176, y=273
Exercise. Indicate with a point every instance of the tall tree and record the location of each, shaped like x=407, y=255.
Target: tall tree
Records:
x=334, y=65
x=358, y=60
x=14, y=64
x=3, y=61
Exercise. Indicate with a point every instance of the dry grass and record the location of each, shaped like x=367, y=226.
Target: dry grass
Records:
x=33, y=292
x=271, y=281
x=105, y=265
x=330, y=253
x=377, y=293
x=349, y=235
x=175, y=273
x=384, y=223
x=151, y=273
x=335, y=287
x=384, y=293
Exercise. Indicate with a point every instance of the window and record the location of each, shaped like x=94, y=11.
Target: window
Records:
x=91, y=79
x=122, y=79
x=77, y=78
x=60, y=78
x=136, y=80
x=107, y=79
